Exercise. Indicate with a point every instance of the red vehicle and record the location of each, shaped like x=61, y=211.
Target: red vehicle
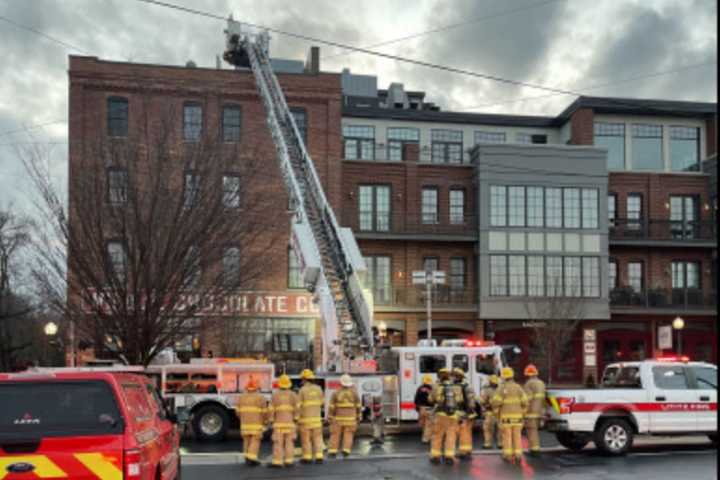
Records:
x=84, y=424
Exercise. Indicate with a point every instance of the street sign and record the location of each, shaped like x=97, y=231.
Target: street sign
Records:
x=419, y=277
x=665, y=337
x=436, y=277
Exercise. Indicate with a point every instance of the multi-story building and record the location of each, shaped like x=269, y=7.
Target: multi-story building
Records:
x=605, y=205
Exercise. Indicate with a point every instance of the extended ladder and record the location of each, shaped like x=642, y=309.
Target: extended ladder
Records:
x=329, y=258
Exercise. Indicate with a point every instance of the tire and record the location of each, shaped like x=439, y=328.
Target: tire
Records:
x=210, y=423
x=572, y=441
x=614, y=436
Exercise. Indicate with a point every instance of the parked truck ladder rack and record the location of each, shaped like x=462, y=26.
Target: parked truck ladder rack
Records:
x=328, y=255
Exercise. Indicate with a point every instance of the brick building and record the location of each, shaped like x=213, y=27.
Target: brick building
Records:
x=628, y=227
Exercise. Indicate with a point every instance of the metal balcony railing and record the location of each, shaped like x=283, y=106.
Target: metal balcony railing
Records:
x=370, y=223
x=655, y=229
x=663, y=298
x=442, y=296
x=395, y=153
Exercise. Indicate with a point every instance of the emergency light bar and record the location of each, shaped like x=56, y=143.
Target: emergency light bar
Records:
x=673, y=358
x=467, y=343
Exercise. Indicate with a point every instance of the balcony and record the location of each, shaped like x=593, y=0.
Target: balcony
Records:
x=398, y=226
x=651, y=232
x=658, y=300
x=413, y=298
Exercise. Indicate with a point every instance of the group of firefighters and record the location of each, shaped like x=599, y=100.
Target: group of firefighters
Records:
x=448, y=409
x=447, y=413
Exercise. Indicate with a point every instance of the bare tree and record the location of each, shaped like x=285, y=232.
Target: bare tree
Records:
x=157, y=233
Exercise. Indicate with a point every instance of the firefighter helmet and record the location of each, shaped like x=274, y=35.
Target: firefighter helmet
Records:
x=531, y=370
x=307, y=374
x=427, y=379
x=443, y=372
x=284, y=382
x=458, y=372
x=252, y=385
x=507, y=373
x=346, y=381
x=493, y=380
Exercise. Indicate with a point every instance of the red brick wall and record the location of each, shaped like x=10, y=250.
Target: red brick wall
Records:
x=581, y=122
x=711, y=135
x=657, y=264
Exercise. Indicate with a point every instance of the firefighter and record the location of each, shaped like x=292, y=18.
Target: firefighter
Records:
x=509, y=405
x=311, y=433
x=489, y=421
x=284, y=412
x=344, y=413
x=423, y=407
x=468, y=414
x=446, y=398
x=252, y=411
x=535, y=391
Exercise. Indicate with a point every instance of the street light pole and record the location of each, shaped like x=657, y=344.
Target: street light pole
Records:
x=678, y=324
x=428, y=303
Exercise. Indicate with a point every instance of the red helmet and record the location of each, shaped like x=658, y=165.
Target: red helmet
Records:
x=531, y=370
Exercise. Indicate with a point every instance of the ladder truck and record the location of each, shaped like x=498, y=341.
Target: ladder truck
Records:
x=330, y=261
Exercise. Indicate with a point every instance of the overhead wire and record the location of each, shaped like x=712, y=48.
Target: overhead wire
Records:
x=43, y=34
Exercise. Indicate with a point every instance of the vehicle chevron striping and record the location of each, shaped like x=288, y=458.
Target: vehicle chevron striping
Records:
x=407, y=405
x=668, y=407
x=100, y=465
x=44, y=467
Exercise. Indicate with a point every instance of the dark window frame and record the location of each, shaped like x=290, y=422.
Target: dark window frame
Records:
x=109, y=187
x=462, y=219
x=304, y=126
x=398, y=144
x=445, y=156
x=374, y=210
x=186, y=126
x=359, y=142
x=291, y=285
x=424, y=216
x=116, y=121
x=224, y=126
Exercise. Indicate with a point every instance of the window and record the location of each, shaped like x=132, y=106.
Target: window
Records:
x=613, y=377
x=670, y=378
x=398, y=137
x=635, y=276
x=359, y=142
x=374, y=207
x=591, y=277
x=457, y=274
x=684, y=149
x=498, y=275
x=571, y=271
x=554, y=279
x=498, y=206
x=447, y=146
x=516, y=206
x=194, y=269
x=294, y=275
x=535, y=207
x=683, y=216
x=191, y=192
x=431, y=363
x=300, y=117
x=117, y=186
x=571, y=207
x=485, y=364
x=516, y=264
x=611, y=136
x=457, y=206
x=589, y=208
x=231, y=122
x=634, y=211
x=461, y=361
x=612, y=274
x=431, y=264
x=523, y=138
x=117, y=261
x=231, y=267
x=429, y=205
x=117, y=116
x=536, y=276
x=553, y=207
x=647, y=147
x=685, y=275
x=612, y=208
x=379, y=278
x=706, y=377
x=231, y=191
x=489, y=137
x=192, y=122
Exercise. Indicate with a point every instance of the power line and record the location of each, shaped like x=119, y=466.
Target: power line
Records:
x=44, y=35
x=448, y=27
x=32, y=127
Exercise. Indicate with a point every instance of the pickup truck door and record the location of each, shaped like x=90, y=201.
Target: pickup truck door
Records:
x=705, y=379
x=671, y=400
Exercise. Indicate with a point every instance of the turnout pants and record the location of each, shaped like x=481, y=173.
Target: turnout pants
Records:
x=444, y=434
x=511, y=431
x=489, y=424
x=283, y=447
x=251, y=446
x=344, y=432
x=426, y=423
x=312, y=443
x=466, y=436
x=532, y=426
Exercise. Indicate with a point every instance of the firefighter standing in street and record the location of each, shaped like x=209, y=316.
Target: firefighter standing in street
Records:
x=535, y=391
x=252, y=411
x=446, y=398
x=311, y=433
x=468, y=414
x=423, y=407
x=344, y=413
x=284, y=412
x=489, y=421
x=509, y=404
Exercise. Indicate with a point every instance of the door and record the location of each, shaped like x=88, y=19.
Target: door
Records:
x=672, y=400
x=683, y=216
x=426, y=364
x=705, y=380
x=168, y=436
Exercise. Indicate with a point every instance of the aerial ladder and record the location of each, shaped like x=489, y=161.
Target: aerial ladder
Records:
x=330, y=261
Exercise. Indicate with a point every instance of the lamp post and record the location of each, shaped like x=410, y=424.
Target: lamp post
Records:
x=50, y=330
x=678, y=324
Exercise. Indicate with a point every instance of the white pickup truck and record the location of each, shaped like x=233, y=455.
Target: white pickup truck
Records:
x=666, y=396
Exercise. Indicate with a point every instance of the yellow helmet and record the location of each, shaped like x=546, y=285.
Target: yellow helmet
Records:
x=307, y=374
x=507, y=373
x=284, y=382
x=427, y=379
x=443, y=372
x=457, y=371
x=493, y=379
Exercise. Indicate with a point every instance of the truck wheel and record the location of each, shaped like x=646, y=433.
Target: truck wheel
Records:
x=572, y=441
x=614, y=436
x=210, y=423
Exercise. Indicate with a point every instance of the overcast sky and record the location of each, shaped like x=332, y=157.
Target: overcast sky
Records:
x=642, y=48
